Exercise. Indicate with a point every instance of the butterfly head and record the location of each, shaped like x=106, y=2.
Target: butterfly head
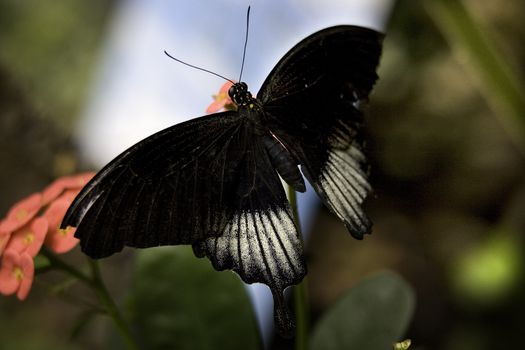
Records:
x=239, y=94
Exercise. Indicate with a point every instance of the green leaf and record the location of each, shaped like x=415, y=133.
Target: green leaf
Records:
x=490, y=270
x=373, y=315
x=180, y=302
x=41, y=263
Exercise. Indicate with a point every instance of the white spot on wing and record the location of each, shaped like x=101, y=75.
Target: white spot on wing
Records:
x=345, y=186
x=270, y=249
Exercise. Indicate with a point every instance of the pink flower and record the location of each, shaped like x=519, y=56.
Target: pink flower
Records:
x=3, y=242
x=222, y=100
x=57, y=187
x=68, y=195
x=59, y=240
x=29, y=239
x=20, y=231
x=21, y=213
x=16, y=274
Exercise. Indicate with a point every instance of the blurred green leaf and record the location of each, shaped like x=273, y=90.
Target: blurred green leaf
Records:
x=50, y=50
x=477, y=52
x=490, y=270
x=373, y=315
x=41, y=262
x=25, y=331
x=180, y=302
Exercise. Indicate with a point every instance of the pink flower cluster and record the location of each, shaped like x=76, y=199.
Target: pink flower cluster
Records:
x=31, y=223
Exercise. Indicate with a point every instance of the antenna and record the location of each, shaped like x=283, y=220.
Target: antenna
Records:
x=245, y=41
x=199, y=68
x=209, y=71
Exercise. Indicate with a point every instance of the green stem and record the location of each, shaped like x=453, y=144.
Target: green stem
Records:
x=111, y=307
x=299, y=291
x=96, y=283
x=59, y=264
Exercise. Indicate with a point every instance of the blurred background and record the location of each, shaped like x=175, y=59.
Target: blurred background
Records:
x=446, y=145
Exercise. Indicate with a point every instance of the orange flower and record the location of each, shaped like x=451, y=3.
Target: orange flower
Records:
x=68, y=195
x=57, y=239
x=22, y=233
x=222, y=100
x=16, y=274
x=59, y=186
x=3, y=242
x=21, y=213
x=29, y=238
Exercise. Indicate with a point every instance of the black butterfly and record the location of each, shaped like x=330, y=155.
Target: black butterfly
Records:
x=213, y=182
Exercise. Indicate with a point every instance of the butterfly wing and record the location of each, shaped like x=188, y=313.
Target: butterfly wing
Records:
x=174, y=187
x=311, y=103
x=208, y=182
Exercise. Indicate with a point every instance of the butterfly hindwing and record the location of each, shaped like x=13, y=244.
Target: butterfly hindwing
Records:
x=261, y=242
x=311, y=103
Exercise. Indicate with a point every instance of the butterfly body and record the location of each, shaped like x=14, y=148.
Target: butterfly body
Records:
x=252, y=110
x=213, y=182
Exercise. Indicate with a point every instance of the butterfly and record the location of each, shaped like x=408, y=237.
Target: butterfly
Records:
x=214, y=182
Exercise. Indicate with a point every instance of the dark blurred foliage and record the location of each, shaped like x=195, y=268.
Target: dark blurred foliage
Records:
x=449, y=189
x=449, y=200
x=47, y=54
x=51, y=49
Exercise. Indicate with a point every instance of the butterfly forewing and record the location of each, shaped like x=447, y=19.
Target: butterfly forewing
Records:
x=174, y=187
x=345, y=54
x=310, y=100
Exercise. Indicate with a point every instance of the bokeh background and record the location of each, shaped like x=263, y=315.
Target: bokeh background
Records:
x=445, y=141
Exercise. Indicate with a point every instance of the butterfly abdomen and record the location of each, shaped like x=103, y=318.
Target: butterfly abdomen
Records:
x=283, y=162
